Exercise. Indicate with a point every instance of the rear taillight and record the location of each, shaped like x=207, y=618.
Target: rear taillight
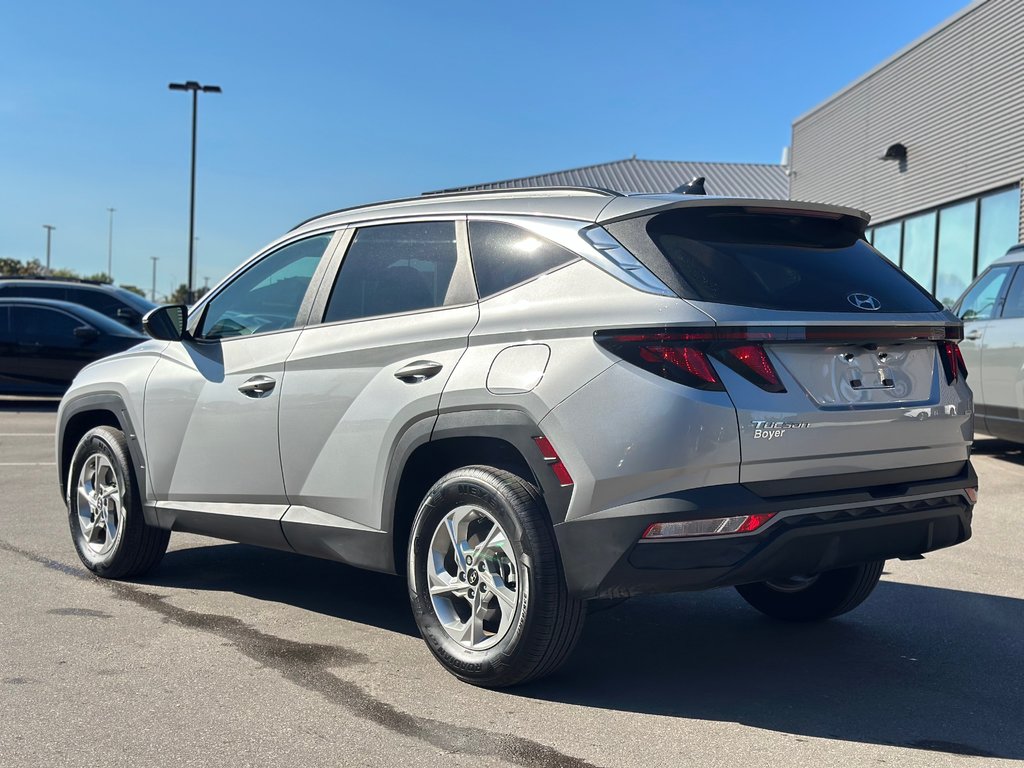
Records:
x=752, y=363
x=671, y=356
x=684, y=356
x=952, y=361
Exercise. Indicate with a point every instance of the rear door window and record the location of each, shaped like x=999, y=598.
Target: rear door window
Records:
x=99, y=300
x=1014, y=304
x=395, y=268
x=505, y=255
x=770, y=258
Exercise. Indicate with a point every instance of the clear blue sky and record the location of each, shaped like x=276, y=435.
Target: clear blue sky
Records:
x=328, y=104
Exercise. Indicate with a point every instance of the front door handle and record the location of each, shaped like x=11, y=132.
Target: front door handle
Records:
x=973, y=335
x=418, y=371
x=257, y=386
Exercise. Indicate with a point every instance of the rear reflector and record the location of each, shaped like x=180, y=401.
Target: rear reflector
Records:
x=715, y=526
x=972, y=495
x=550, y=455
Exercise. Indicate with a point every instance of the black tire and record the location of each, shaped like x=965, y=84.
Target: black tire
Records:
x=136, y=547
x=831, y=593
x=547, y=621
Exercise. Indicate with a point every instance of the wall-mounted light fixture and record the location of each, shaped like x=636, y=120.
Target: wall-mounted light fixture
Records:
x=895, y=152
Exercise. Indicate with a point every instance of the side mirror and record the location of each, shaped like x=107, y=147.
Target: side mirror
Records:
x=166, y=323
x=86, y=333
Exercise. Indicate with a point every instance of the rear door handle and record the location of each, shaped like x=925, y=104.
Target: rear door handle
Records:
x=257, y=386
x=973, y=335
x=417, y=371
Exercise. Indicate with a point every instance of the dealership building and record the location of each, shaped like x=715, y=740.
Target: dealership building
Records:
x=930, y=143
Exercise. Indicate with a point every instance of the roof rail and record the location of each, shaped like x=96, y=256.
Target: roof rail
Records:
x=54, y=278
x=431, y=196
x=579, y=188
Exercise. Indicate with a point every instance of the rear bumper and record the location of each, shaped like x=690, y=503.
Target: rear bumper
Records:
x=604, y=556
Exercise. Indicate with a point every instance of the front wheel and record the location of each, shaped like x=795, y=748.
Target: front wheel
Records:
x=486, y=581
x=816, y=597
x=105, y=512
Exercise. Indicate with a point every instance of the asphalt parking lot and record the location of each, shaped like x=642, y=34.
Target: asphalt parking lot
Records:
x=232, y=655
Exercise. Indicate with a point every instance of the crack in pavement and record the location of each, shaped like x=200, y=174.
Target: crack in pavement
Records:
x=305, y=664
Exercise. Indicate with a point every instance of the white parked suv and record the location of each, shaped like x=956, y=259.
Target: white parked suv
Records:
x=523, y=400
x=992, y=309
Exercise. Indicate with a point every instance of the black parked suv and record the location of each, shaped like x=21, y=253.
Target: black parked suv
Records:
x=44, y=344
x=124, y=306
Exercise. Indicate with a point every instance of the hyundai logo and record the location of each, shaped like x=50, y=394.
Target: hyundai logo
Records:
x=864, y=301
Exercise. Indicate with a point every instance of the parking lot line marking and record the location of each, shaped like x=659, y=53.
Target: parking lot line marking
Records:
x=28, y=463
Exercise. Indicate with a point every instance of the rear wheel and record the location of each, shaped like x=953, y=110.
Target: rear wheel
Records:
x=814, y=597
x=105, y=512
x=486, y=582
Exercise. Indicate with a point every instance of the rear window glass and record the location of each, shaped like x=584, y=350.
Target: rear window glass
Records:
x=781, y=260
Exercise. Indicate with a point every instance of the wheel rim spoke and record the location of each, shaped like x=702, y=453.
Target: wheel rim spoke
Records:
x=442, y=586
x=501, y=591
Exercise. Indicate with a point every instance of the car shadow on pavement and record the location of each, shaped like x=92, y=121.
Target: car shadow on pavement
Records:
x=914, y=666
x=920, y=667
x=999, y=449
x=308, y=583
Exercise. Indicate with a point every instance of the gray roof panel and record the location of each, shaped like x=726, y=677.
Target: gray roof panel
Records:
x=756, y=180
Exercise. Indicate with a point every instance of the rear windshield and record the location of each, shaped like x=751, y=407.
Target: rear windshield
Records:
x=773, y=259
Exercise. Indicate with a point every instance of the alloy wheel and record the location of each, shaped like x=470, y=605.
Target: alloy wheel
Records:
x=100, y=505
x=475, y=581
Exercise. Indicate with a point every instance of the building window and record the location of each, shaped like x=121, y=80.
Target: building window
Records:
x=956, y=251
x=919, y=249
x=998, y=225
x=944, y=248
x=887, y=241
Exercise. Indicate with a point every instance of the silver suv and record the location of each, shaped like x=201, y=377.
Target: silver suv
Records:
x=526, y=400
x=992, y=309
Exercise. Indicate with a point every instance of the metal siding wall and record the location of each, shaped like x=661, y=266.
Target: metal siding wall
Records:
x=956, y=100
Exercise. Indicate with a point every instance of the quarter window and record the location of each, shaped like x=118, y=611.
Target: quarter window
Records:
x=268, y=295
x=980, y=301
x=394, y=268
x=505, y=255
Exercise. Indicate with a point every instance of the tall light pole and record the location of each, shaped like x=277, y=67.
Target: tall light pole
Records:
x=152, y=292
x=49, y=230
x=110, y=246
x=195, y=88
